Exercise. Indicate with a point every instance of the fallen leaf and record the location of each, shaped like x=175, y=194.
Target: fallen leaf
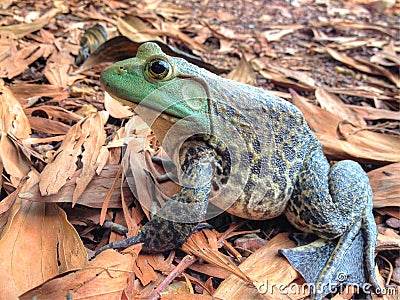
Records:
x=41, y=229
x=53, y=112
x=333, y=104
x=57, y=67
x=371, y=113
x=96, y=134
x=48, y=126
x=267, y=269
x=203, y=245
x=104, y=277
x=276, y=34
x=243, y=72
x=13, y=123
x=18, y=62
x=115, y=108
x=20, y=30
x=361, y=146
x=88, y=134
x=134, y=29
x=385, y=185
x=347, y=60
x=94, y=194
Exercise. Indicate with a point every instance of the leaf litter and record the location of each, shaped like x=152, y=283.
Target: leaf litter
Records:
x=62, y=140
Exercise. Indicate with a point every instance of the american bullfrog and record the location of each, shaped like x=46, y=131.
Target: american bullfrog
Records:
x=255, y=156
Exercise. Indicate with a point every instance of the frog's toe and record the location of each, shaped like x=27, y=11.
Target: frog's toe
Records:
x=325, y=271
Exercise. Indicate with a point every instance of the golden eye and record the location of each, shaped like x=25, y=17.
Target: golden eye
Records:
x=158, y=68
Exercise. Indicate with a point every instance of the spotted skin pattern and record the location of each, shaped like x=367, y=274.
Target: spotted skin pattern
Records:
x=251, y=152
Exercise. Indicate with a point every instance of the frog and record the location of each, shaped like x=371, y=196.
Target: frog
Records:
x=254, y=155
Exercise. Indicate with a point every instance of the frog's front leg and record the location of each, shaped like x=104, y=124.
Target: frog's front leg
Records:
x=336, y=204
x=179, y=217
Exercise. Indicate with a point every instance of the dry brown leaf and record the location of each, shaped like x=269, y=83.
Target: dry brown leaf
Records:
x=170, y=11
x=188, y=297
x=385, y=185
x=243, y=72
x=203, y=245
x=277, y=33
x=41, y=229
x=146, y=265
x=88, y=133
x=134, y=29
x=93, y=144
x=27, y=94
x=94, y=194
x=210, y=270
x=104, y=277
x=362, y=146
x=53, y=112
x=334, y=105
x=267, y=268
x=367, y=92
x=392, y=77
x=57, y=67
x=347, y=60
x=172, y=30
x=284, y=77
x=371, y=113
x=7, y=46
x=13, y=123
x=387, y=242
x=17, y=62
x=226, y=32
x=20, y=30
x=115, y=108
x=48, y=126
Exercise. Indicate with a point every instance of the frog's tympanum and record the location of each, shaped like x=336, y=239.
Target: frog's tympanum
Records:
x=253, y=155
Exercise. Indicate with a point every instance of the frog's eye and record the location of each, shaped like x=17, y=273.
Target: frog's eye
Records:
x=158, y=68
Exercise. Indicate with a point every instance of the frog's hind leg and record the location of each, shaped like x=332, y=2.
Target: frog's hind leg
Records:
x=336, y=204
x=369, y=232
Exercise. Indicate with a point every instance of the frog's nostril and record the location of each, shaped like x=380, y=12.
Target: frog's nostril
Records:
x=121, y=70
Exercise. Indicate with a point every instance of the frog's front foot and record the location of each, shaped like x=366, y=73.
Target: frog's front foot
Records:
x=157, y=235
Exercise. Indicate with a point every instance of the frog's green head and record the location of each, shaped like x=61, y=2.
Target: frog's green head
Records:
x=156, y=81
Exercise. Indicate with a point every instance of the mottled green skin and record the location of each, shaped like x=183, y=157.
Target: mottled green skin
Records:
x=255, y=153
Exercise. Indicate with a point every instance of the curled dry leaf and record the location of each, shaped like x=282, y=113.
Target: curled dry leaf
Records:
x=385, y=185
x=48, y=126
x=13, y=122
x=20, y=30
x=135, y=29
x=361, y=146
x=333, y=104
x=57, y=67
x=277, y=33
x=371, y=113
x=267, y=268
x=115, y=108
x=347, y=60
x=25, y=92
x=94, y=194
x=38, y=242
x=104, y=277
x=54, y=112
x=243, y=72
x=18, y=62
x=88, y=134
x=203, y=244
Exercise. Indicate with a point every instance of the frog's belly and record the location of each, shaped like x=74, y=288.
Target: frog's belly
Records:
x=255, y=206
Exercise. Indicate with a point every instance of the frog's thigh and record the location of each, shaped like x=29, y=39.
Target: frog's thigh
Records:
x=328, y=201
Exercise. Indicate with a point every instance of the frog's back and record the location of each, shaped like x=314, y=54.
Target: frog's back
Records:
x=268, y=140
